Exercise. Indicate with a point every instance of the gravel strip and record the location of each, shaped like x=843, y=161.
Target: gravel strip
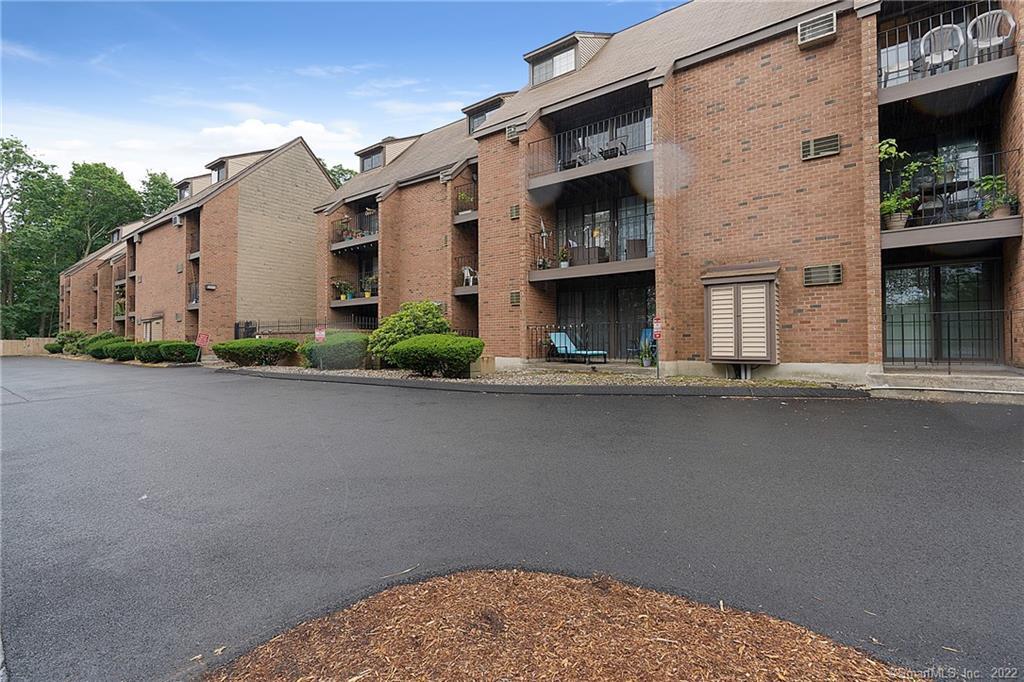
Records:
x=505, y=625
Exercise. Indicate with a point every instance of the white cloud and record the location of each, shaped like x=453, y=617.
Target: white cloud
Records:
x=135, y=146
x=236, y=109
x=330, y=71
x=382, y=86
x=18, y=51
x=398, y=107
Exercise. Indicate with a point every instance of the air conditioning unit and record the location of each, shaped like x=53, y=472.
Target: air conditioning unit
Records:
x=816, y=31
x=177, y=221
x=819, y=147
x=512, y=133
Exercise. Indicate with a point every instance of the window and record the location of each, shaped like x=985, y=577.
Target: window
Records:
x=372, y=160
x=184, y=192
x=477, y=119
x=553, y=66
x=220, y=172
x=115, y=235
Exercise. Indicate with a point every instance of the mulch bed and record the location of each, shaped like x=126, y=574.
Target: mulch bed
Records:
x=497, y=625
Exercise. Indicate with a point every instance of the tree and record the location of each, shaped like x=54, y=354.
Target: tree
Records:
x=98, y=200
x=339, y=173
x=16, y=163
x=158, y=192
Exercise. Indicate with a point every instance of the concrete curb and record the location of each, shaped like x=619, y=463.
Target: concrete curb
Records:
x=578, y=389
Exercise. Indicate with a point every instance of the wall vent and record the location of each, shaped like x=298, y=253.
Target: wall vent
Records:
x=819, y=275
x=817, y=31
x=512, y=133
x=513, y=212
x=181, y=268
x=514, y=298
x=819, y=147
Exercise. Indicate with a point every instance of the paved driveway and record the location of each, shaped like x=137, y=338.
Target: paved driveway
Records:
x=152, y=515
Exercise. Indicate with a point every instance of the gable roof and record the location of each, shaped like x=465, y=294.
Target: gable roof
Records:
x=651, y=48
x=107, y=249
x=210, y=191
x=435, y=151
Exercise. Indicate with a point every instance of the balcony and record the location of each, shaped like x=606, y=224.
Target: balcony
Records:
x=193, y=296
x=95, y=283
x=609, y=144
x=130, y=306
x=465, y=276
x=959, y=45
x=596, y=248
x=465, y=206
x=119, y=309
x=364, y=233
x=193, y=246
x=120, y=274
x=347, y=294
x=951, y=199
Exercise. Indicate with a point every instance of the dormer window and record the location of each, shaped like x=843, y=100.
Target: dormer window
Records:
x=115, y=235
x=184, y=192
x=220, y=172
x=546, y=68
x=374, y=159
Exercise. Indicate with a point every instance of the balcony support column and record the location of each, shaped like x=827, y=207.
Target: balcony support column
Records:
x=870, y=185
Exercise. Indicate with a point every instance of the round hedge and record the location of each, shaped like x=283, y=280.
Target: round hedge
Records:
x=340, y=350
x=98, y=349
x=248, y=352
x=149, y=351
x=179, y=351
x=53, y=348
x=121, y=351
x=448, y=354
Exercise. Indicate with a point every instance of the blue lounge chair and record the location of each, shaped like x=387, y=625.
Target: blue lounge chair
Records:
x=646, y=336
x=564, y=347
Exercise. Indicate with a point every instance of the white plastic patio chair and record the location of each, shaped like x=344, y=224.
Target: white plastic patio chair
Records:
x=985, y=33
x=469, y=276
x=941, y=46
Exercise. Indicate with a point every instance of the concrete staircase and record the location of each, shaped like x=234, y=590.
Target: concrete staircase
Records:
x=1003, y=385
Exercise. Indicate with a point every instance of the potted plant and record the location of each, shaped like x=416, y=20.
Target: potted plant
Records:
x=898, y=203
x=1000, y=202
x=542, y=264
x=369, y=282
x=465, y=199
x=943, y=168
x=563, y=257
x=646, y=353
x=342, y=288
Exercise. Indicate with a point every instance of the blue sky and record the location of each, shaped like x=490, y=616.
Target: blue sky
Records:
x=171, y=86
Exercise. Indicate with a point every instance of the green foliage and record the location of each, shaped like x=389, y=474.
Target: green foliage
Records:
x=339, y=173
x=157, y=193
x=900, y=199
x=149, y=351
x=120, y=350
x=340, y=350
x=71, y=341
x=412, y=319
x=179, y=351
x=53, y=348
x=448, y=354
x=996, y=192
x=95, y=340
x=248, y=352
x=99, y=349
x=99, y=199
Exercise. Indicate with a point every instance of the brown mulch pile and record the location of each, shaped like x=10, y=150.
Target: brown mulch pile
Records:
x=495, y=625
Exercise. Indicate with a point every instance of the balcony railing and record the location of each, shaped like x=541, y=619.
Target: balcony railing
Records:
x=193, y=293
x=119, y=272
x=591, y=342
x=193, y=242
x=465, y=273
x=956, y=38
x=959, y=337
x=368, y=283
x=954, y=188
x=130, y=305
x=465, y=198
x=365, y=225
x=597, y=242
x=606, y=139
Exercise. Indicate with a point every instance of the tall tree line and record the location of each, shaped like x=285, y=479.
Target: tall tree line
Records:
x=48, y=222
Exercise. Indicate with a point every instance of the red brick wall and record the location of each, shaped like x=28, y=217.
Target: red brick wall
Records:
x=345, y=264
x=734, y=190
x=105, y=298
x=1013, y=250
x=82, y=298
x=218, y=237
x=160, y=288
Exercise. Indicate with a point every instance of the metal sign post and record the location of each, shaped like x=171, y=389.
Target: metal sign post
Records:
x=657, y=352
x=202, y=341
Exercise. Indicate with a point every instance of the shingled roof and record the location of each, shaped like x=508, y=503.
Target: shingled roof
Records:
x=107, y=250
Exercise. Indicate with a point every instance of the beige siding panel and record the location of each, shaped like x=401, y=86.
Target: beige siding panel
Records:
x=239, y=163
x=754, y=320
x=393, y=149
x=277, y=237
x=723, y=321
x=587, y=48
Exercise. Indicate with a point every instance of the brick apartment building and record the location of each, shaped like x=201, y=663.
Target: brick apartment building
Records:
x=716, y=166
x=238, y=245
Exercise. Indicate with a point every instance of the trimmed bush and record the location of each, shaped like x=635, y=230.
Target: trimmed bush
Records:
x=96, y=340
x=71, y=341
x=179, y=351
x=149, y=351
x=248, y=352
x=340, y=350
x=121, y=351
x=448, y=354
x=412, y=319
x=99, y=349
x=53, y=348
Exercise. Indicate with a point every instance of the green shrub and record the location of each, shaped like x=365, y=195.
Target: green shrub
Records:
x=247, y=352
x=71, y=341
x=179, y=351
x=340, y=350
x=120, y=350
x=53, y=348
x=96, y=340
x=448, y=354
x=149, y=351
x=412, y=319
x=98, y=349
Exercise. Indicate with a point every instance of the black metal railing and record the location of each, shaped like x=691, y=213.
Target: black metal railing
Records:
x=950, y=338
x=465, y=198
x=119, y=272
x=953, y=188
x=466, y=332
x=119, y=307
x=466, y=273
x=591, y=342
x=368, y=284
x=598, y=242
x=601, y=140
x=364, y=225
x=247, y=329
x=193, y=293
x=956, y=38
x=193, y=242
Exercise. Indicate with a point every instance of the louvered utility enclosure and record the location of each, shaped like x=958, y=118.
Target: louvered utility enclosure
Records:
x=740, y=315
x=816, y=31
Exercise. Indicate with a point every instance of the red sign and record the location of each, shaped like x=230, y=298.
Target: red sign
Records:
x=657, y=335
x=320, y=333
x=202, y=339
x=657, y=326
